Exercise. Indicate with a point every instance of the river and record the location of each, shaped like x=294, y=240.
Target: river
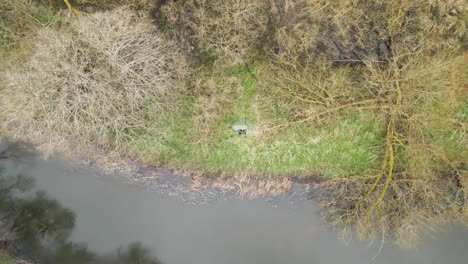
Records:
x=111, y=211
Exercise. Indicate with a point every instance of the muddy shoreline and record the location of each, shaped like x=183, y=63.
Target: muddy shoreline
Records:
x=199, y=190
x=191, y=189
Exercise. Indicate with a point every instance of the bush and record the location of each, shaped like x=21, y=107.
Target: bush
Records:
x=92, y=83
x=228, y=29
x=404, y=60
x=365, y=30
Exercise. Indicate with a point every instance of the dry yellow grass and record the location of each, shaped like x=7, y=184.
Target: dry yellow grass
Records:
x=19, y=19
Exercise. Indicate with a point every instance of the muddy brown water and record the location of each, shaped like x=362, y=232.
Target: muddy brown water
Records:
x=111, y=212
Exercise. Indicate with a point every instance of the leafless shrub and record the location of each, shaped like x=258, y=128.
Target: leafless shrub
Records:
x=421, y=184
x=305, y=89
x=353, y=31
x=92, y=83
x=411, y=208
x=414, y=86
x=230, y=29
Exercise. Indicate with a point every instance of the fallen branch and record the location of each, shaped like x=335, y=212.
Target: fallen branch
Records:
x=363, y=103
x=71, y=8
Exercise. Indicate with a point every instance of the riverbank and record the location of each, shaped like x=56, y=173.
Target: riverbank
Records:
x=110, y=213
x=374, y=105
x=16, y=158
x=198, y=190
x=327, y=118
x=191, y=189
x=5, y=258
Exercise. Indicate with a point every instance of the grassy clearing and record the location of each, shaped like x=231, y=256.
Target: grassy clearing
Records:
x=322, y=150
x=200, y=138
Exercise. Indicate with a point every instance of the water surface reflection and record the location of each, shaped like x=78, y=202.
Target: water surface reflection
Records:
x=110, y=213
x=37, y=227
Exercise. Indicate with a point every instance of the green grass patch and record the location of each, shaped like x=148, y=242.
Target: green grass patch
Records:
x=7, y=260
x=341, y=145
x=338, y=150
